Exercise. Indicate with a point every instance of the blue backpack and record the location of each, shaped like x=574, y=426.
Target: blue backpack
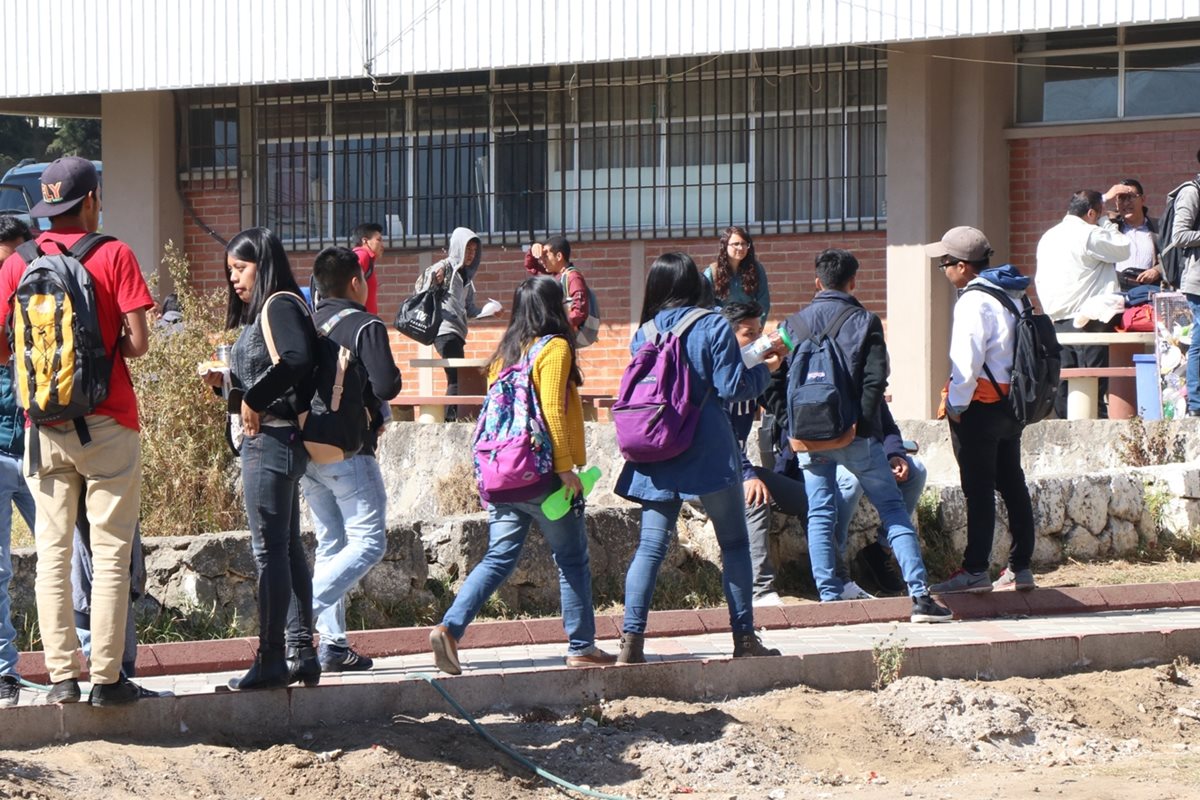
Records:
x=512, y=447
x=822, y=400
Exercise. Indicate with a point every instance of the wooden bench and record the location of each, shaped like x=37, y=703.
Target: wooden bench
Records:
x=1122, y=386
x=1083, y=389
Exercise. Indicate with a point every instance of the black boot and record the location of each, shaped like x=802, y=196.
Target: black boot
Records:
x=269, y=671
x=748, y=644
x=303, y=665
x=632, y=645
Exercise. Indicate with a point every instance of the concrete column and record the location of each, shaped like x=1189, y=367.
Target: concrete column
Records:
x=947, y=165
x=141, y=204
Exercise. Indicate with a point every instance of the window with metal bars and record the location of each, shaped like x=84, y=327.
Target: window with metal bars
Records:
x=782, y=142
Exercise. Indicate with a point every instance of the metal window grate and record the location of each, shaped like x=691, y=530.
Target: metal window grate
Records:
x=785, y=142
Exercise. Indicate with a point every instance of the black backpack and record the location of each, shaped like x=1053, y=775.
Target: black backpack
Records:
x=1037, y=360
x=1172, y=257
x=822, y=400
x=338, y=421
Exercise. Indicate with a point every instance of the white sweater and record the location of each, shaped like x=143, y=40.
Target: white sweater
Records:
x=983, y=333
x=1075, y=261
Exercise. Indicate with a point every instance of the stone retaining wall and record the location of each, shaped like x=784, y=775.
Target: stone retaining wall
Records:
x=1086, y=506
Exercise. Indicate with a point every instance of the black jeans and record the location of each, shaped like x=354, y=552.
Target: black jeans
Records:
x=272, y=463
x=450, y=345
x=987, y=445
x=1083, y=356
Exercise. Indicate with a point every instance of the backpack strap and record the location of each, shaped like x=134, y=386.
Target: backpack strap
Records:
x=331, y=323
x=87, y=244
x=268, y=336
x=688, y=320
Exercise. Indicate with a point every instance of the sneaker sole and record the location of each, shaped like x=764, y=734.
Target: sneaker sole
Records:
x=930, y=618
x=442, y=657
x=969, y=590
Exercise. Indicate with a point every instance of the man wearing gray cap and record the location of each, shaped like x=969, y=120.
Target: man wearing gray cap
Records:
x=1077, y=260
x=99, y=457
x=984, y=432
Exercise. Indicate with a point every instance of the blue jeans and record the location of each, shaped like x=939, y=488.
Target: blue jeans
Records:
x=910, y=491
x=866, y=460
x=508, y=525
x=1193, y=357
x=272, y=462
x=12, y=490
x=348, y=505
x=727, y=510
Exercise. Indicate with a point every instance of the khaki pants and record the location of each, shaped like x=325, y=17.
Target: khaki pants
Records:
x=110, y=470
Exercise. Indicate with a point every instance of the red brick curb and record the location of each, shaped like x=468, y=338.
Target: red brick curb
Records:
x=231, y=654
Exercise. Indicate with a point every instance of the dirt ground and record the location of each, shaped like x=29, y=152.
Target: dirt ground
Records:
x=1130, y=735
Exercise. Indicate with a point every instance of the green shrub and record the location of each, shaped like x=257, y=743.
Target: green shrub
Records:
x=188, y=471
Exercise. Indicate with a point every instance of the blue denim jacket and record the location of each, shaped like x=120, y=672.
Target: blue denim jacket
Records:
x=713, y=461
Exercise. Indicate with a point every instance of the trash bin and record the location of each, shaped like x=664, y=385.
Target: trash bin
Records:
x=1149, y=401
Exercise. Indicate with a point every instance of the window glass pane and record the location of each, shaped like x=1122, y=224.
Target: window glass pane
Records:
x=800, y=168
x=1071, y=87
x=521, y=165
x=369, y=185
x=1174, y=32
x=291, y=120
x=294, y=189
x=447, y=112
x=709, y=142
x=866, y=164
x=707, y=172
x=371, y=116
x=521, y=109
x=618, y=146
x=212, y=138
x=821, y=88
x=695, y=96
x=1068, y=40
x=1162, y=82
x=602, y=103
x=449, y=183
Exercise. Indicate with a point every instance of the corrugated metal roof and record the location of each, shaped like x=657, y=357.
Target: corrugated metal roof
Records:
x=170, y=44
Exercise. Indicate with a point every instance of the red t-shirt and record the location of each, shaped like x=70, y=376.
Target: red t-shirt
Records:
x=120, y=289
x=367, y=262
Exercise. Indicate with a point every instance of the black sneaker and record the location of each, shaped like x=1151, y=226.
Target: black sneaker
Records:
x=747, y=645
x=336, y=658
x=64, y=692
x=876, y=563
x=10, y=691
x=926, y=609
x=123, y=692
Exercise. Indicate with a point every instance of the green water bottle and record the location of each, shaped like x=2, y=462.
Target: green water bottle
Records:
x=557, y=505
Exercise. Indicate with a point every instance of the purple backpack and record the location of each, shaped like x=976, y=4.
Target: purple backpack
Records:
x=653, y=413
x=512, y=444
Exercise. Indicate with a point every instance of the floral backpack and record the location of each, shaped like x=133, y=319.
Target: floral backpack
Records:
x=512, y=444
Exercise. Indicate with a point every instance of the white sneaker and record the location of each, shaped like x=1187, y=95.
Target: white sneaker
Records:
x=768, y=599
x=852, y=591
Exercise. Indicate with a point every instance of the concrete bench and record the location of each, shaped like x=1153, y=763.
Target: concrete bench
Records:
x=1083, y=389
x=431, y=408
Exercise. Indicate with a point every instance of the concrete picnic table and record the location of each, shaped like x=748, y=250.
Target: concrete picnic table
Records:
x=1083, y=391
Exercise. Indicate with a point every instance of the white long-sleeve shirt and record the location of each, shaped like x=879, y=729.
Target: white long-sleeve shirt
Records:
x=1077, y=260
x=983, y=333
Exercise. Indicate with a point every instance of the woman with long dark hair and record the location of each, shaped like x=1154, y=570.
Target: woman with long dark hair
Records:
x=539, y=338
x=710, y=469
x=737, y=276
x=272, y=379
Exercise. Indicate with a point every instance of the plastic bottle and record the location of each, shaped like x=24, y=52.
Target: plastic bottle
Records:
x=557, y=505
x=756, y=352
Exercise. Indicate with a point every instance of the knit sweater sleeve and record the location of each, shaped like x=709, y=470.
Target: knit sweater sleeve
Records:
x=560, y=403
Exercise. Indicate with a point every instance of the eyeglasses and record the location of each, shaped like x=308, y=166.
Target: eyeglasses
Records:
x=945, y=265
x=738, y=245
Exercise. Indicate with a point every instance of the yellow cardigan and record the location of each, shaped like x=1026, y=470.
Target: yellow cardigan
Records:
x=559, y=398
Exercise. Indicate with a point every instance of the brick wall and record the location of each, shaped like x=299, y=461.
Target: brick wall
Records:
x=1044, y=172
x=606, y=265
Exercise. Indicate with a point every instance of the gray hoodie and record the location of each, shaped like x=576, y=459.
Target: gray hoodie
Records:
x=458, y=303
x=1186, y=234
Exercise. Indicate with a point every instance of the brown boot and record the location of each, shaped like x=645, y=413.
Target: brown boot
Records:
x=748, y=644
x=631, y=649
x=445, y=650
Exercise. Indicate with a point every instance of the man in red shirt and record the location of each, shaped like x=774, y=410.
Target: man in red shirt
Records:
x=554, y=258
x=107, y=470
x=367, y=241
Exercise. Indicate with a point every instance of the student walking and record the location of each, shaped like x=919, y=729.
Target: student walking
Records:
x=709, y=469
x=347, y=498
x=539, y=340
x=271, y=371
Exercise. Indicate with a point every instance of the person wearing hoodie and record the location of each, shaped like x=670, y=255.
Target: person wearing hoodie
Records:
x=984, y=433
x=456, y=274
